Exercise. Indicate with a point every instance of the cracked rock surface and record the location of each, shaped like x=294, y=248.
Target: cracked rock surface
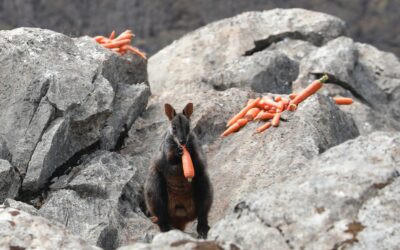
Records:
x=21, y=230
x=328, y=204
x=59, y=96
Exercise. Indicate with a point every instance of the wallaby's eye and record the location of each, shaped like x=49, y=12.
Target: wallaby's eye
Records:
x=173, y=128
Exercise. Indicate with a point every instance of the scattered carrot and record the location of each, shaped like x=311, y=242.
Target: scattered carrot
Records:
x=121, y=44
x=265, y=126
x=187, y=165
x=276, y=119
x=136, y=50
x=259, y=115
x=266, y=116
x=233, y=128
x=243, y=112
x=252, y=113
x=292, y=96
x=309, y=90
x=249, y=101
x=343, y=100
x=112, y=35
x=266, y=108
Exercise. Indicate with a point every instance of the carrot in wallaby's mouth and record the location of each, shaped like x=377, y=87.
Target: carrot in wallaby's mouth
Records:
x=187, y=164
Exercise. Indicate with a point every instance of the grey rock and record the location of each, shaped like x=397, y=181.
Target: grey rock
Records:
x=21, y=230
x=292, y=48
x=60, y=96
x=360, y=71
x=327, y=204
x=129, y=104
x=99, y=200
x=381, y=224
x=174, y=239
x=205, y=49
x=316, y=126
x=9, y=181
x=264, y=71
x=4, y=153
x=10, y=203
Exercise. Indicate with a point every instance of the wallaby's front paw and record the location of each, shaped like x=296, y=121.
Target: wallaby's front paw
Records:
x=202, y=231
x=179, y=150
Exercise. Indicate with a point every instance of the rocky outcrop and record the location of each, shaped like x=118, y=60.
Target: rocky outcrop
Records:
x=337, y=200
x=308, y=144
x=61, y=96
x=207, y=49
x=20, y=230
x=100, y=201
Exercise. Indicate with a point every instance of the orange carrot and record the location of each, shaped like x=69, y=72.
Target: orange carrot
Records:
x=115, y=44
x=249, y=101
x=292, y=96
x=187, y=165
x=258, y=117
x=136, y=51
x=233, y=128
x=271, y=103
x=99, y=38
x=127, y=34
x=252, y=113
x=309, y=90
x=276, y=119
x=242, y=122
x=266, y=116
x=115, y=49
x=243, y=112
x=343, y=100
x=278, y=98
x=112, y=35
x=263, y=127
x=285, y=101
x=261, y=104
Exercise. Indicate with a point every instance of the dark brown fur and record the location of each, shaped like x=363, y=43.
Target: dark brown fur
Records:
x=169, y=196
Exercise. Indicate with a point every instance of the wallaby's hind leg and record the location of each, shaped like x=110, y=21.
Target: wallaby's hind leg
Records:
x=203, y=200
x=157, y=198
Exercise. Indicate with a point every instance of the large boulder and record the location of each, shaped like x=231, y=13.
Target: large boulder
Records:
x=60, y=96
x=21, y=230
x=360, y=71
x=344, y=198
x=226, y=41
x=265, y=71
x=100, y=201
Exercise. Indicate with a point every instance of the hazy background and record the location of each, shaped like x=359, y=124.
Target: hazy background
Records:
x=156, y=23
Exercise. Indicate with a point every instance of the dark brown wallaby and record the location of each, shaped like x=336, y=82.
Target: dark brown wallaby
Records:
x=170, y=198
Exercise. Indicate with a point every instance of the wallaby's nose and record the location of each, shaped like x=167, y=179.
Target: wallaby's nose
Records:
x=182, y=142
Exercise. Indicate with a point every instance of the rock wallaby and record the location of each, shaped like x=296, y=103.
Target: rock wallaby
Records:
x=172, y=200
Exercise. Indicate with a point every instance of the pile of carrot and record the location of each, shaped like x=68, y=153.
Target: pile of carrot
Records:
x=120, y=44
x=269, y=108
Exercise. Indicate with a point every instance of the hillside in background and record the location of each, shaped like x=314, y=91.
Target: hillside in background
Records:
x=158, y=22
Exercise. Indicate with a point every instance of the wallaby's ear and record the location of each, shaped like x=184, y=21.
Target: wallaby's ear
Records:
x=169, y=111
x=188, y=110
